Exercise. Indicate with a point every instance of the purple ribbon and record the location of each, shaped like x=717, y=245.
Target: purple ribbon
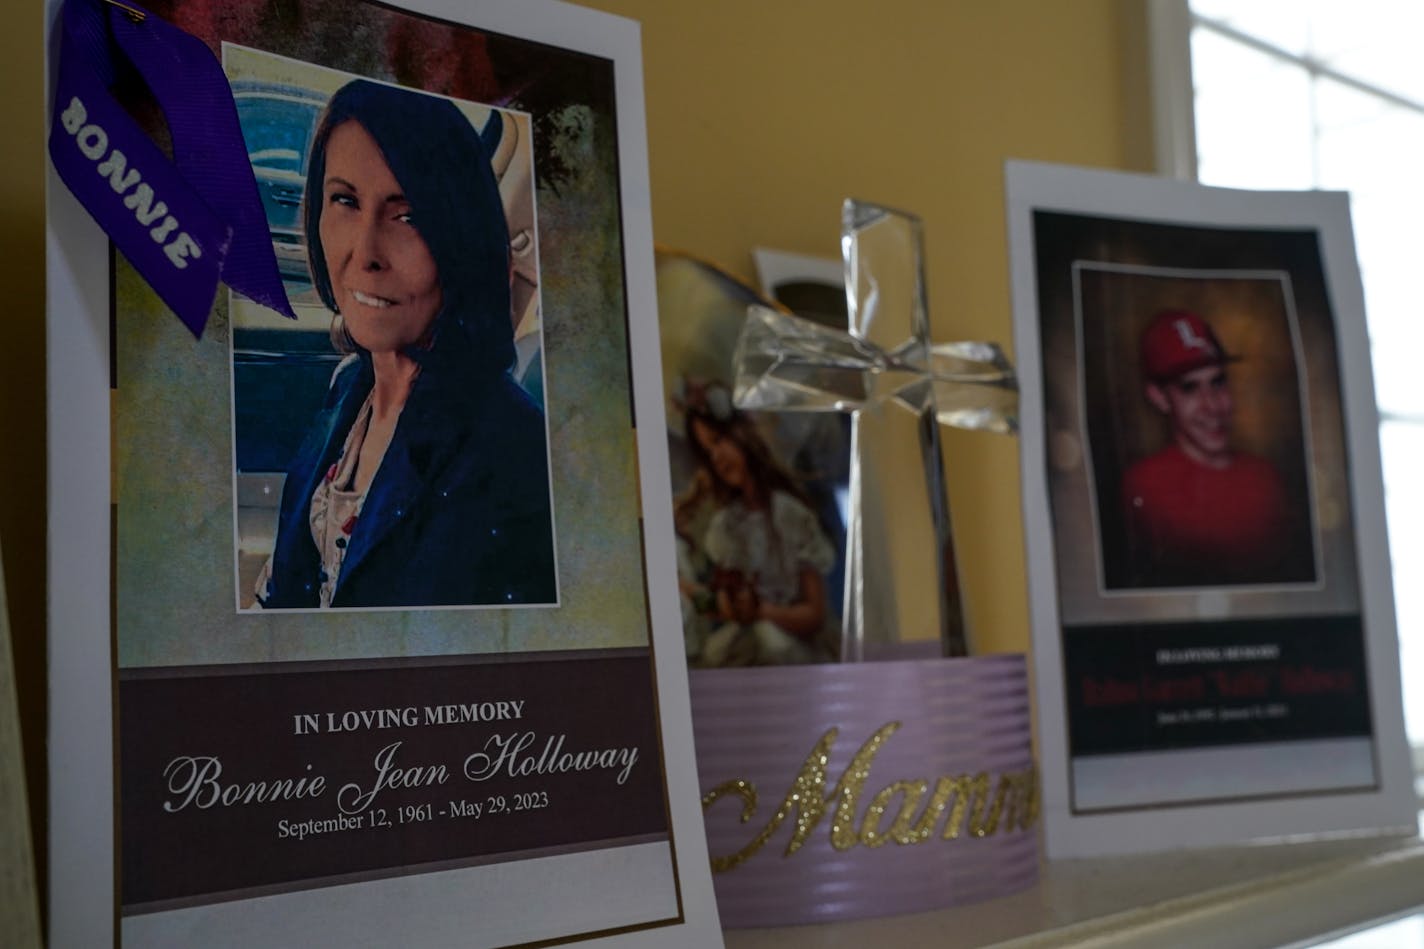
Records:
x=183, y=224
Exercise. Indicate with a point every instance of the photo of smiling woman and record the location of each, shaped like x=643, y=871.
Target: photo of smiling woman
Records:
x=423, y=480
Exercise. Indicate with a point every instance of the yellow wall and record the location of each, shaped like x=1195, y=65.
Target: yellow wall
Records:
x=762, y=116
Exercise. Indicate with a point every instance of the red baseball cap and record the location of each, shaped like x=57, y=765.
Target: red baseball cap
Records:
x=1178, y=341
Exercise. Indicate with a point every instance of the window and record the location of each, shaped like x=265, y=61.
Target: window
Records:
x=1295, y=94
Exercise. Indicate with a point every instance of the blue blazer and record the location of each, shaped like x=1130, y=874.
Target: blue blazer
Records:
x=458, y=513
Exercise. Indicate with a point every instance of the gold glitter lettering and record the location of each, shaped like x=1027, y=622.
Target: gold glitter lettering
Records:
x=961, y=788
x=902, y=829
x=981, y=825
x=1013, y=805
x=804, y=796
x=807, y=798
x=1032, y=799
x=1022, y=799
x=843, y=831
x=742, y=789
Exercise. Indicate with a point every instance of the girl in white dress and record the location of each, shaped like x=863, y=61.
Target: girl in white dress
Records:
x=768, y=553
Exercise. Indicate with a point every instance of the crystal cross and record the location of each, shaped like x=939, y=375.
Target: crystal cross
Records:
x=898, y=387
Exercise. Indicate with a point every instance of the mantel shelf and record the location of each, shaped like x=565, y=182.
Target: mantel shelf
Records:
x=1252, y=896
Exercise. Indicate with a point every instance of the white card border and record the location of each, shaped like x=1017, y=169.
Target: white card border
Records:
x=81, y=728
x=1032, y=186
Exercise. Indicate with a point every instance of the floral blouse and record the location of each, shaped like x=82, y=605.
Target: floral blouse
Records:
x=335, y=509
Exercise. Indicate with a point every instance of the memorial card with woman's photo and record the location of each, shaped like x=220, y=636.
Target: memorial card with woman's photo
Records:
x=390, y=590
x=1213, y=618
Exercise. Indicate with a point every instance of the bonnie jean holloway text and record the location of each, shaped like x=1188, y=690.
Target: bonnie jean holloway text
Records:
x=197, y=781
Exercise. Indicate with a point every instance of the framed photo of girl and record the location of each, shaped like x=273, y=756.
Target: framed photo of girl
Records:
x=1213, y=620
x=386, y=588
x=758, y=497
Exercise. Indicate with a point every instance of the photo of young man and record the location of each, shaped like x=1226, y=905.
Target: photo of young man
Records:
x=1199, y=511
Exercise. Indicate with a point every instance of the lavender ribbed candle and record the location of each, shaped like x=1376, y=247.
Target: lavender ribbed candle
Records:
x=845, y=791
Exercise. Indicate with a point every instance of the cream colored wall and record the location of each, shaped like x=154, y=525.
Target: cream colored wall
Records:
x=762, y=116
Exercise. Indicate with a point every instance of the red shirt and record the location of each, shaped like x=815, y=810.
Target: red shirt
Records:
x=1189, y=523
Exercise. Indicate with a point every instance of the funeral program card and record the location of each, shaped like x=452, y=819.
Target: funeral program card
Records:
x=359, y=626
x=1212, y=611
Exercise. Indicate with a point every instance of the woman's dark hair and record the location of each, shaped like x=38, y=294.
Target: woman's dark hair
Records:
x=761, y=464
x=443, y=168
